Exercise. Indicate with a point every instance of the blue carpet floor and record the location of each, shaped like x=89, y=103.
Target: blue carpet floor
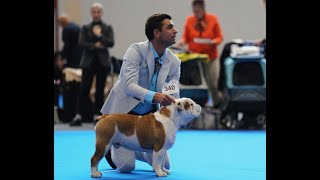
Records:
x=197, y=155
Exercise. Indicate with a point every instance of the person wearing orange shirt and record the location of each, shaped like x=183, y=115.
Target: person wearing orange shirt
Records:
x=202, y=33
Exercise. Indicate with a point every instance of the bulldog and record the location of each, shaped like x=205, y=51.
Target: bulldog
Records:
x=153, y=133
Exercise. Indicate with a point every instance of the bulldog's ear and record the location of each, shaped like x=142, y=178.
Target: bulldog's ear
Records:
x=179, y=106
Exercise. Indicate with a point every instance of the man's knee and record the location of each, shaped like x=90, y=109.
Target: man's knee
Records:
x=127, y=168
x=124, y=159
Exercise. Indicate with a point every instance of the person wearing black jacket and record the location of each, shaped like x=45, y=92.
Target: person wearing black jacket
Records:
x=71, y=51
x=95, y=38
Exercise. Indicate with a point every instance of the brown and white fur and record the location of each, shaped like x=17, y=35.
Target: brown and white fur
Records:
x=154, y=132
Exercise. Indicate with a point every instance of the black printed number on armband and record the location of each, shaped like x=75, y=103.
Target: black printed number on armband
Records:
x=168, y=88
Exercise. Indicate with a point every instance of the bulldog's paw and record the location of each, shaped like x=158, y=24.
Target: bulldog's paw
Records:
x=168, y=172
x=161, y=174
x=96, y=174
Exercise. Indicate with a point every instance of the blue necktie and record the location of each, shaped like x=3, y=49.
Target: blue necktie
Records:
x=157, y=65
x=153, y=86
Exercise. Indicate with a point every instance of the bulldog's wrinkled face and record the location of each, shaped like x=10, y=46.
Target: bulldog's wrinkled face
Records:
x=188, y=109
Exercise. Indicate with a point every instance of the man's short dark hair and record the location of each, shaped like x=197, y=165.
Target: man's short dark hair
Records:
x=198, y=2
x=155, y=22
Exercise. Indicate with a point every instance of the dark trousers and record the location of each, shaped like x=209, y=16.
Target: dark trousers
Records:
x=101, y=73
x=70, y=95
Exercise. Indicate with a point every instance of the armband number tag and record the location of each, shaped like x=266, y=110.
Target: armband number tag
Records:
x=171, y=87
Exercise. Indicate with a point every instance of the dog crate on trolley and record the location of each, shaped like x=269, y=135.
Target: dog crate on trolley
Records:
x=245, y=87
x=192, y=82
x=193, y=85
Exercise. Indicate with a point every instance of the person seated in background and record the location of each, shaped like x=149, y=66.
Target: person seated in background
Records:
x=58, y=81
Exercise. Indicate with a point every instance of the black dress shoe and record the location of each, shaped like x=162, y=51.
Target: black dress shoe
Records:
x=217, y=106
x=108, y=158
x=76, y=121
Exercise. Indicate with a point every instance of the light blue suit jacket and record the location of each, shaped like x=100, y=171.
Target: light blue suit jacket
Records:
x=135, y=77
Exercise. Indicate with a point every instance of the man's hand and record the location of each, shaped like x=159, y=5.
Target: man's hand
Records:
x=98, y=45
x=213, y=42
x=163, y=99
x=97, y=30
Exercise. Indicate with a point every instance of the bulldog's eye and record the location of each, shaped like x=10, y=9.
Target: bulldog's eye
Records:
x=191, y=104
x=179, y=103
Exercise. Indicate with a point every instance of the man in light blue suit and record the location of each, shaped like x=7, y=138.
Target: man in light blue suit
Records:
x=148, y=73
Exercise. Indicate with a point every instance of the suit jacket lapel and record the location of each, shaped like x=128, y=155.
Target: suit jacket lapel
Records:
x=150, y=62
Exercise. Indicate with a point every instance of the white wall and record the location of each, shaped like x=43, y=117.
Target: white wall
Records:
x=239, y=18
